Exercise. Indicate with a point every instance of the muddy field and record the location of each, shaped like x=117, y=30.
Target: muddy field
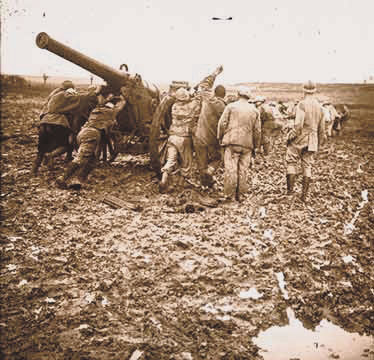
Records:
x=81, y=280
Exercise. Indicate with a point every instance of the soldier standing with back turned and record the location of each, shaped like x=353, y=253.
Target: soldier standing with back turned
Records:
x=304, y=139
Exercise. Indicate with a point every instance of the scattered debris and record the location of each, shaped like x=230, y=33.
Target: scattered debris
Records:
x=119, y=203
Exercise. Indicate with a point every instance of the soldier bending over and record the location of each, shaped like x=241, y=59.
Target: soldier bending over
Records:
x=99, y=125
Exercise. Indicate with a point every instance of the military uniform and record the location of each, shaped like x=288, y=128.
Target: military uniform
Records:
x=206, y=144
x=59, y=105
x=100, y=123
x=267, y=121
x=184, y=119
x=334, y=116
x=100, y=119
x=344, y=115
x=239, y=132
x=179, y=146
x=305, y=139
x=327, y=120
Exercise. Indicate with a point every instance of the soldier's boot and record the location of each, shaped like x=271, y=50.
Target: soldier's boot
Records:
x=84, y=172
x=306, y=183
x=61, y=180
x=163, y=184
x=37, y=164
x=290, y=183
x=48, y=158
x=206, y=179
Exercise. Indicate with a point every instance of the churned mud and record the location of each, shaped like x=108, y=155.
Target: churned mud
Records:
x=81, y=280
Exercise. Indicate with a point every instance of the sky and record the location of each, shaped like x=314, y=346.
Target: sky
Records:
x=164, y=40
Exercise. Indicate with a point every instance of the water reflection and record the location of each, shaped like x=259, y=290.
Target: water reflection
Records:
x=328, y=341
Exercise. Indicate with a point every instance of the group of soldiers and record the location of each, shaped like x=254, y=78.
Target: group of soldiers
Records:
x=209, y=126
x=205, y=124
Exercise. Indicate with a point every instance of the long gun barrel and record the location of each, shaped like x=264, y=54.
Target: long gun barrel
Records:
x=113, y=77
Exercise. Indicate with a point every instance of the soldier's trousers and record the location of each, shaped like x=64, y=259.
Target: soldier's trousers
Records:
x=295, y=153
x=207, y=155
x=266, y=142
x=237, y=160
x=88, y=139
x=179, y=153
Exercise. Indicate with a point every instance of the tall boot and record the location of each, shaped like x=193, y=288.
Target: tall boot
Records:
x=162, y=186
x=306, y=183
x=290, y=183
x=61, y=180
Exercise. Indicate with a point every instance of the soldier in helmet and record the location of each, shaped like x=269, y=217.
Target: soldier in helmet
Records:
x=239, y=132
x=305, y=138
x=99, y=125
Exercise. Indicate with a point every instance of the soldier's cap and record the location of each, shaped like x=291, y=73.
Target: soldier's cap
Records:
x=245, y=92
x=326, y=102
x=182, y=94
x=109, y=105
x=309, y=87
x=67, y=84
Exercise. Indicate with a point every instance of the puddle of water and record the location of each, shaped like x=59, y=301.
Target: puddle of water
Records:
x=327, y=341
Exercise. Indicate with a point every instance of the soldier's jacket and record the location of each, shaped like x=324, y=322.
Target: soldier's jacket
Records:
x=240, y=125
x=309, y=124
x=104, y=118
x=291, y=111
x=45, y=106
x=183, y=117
x=346, y=114
x=59, y=105
x=211, y=111
x=269, y=124
x=326, y=114
x=101, y=118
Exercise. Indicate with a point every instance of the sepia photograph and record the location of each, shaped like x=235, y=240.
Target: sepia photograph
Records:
x=187, y=180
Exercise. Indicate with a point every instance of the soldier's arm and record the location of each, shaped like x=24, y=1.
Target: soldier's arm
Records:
x=208, y=81
x=119, y=106
x=299, y=119
x=257, y=131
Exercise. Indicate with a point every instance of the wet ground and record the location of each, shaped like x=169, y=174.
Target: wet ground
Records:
x=270, y=278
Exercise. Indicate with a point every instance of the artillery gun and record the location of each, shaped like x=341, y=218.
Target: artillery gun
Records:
x=137, y=118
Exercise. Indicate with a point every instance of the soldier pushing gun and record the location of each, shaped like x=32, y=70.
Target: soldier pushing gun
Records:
x=94, y=132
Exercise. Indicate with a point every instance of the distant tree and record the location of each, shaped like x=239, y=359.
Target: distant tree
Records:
x=13, y=81
x=45, y=77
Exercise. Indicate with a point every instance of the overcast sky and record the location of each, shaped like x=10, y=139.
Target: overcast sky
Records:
x=164, y=40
